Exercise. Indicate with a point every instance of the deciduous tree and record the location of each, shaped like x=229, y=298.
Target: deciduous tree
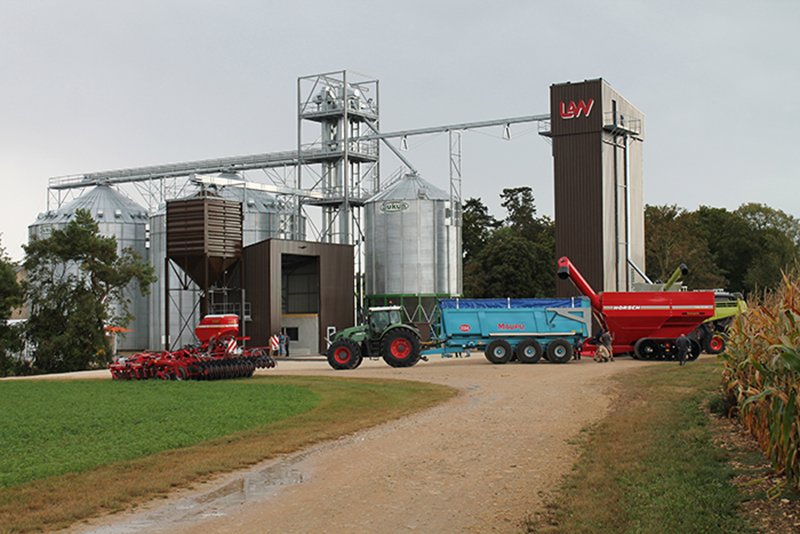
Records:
x=10, y=298
x=77, y=284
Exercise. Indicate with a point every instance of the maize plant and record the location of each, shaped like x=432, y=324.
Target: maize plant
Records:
x=762, y=373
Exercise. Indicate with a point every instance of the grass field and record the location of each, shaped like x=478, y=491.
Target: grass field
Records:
x=651, y=465
x=73, y=450
x=51, y=428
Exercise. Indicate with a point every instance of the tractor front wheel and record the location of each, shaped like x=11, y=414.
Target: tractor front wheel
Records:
x=344, y=354
x=400, y=348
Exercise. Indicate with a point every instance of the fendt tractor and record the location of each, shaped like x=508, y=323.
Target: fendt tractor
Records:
x=645, y=324
x=384, y=335
x=218, y=355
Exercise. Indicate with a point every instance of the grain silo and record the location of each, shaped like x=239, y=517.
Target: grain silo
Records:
x=413, y=246
x=122, y=218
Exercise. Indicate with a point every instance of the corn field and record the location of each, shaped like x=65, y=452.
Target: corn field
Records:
x=762, y=373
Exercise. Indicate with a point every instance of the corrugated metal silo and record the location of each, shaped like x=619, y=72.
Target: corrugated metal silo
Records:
x=118, y=216
x=413, y=243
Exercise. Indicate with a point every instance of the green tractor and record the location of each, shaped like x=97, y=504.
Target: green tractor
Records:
x=384, y=335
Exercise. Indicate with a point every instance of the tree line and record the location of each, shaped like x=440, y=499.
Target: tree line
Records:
x=743, y=250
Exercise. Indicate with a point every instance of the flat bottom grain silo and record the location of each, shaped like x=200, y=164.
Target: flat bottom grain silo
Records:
x=413, y=247
x=118, y=216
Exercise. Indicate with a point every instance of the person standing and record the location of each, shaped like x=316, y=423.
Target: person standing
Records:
x=282, y=343
x=684, y=345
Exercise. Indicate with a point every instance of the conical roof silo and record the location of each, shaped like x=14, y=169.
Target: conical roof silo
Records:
x=118, y=216
x=413, y=244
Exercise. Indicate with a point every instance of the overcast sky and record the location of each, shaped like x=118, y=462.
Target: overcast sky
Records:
x=96, y=85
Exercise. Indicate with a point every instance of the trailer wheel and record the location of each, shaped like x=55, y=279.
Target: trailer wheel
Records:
x=559, y=351
x=400, y=348
x=344, y=354
x=715, y=344
x=529, y=351
x=499, y=351
x=645, y=349
x=694, y=352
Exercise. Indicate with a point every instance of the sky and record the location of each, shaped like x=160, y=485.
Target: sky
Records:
x=96, y=85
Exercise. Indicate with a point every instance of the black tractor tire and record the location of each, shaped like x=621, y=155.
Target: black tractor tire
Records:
x=714, y=344
x=529, y=351
x=499, y=351
x=400, y=348
x=343, y=354
x=559, y=351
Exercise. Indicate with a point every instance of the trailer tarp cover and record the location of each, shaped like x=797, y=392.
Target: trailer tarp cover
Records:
x=574, y=302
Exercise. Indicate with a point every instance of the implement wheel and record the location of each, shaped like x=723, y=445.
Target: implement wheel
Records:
x=400, y=348
x=559, y=351
x=715, y=344
x=499, y=351
x=529, y=351
x=344, y=354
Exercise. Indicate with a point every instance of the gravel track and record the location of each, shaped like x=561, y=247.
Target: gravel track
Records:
x=481, y=462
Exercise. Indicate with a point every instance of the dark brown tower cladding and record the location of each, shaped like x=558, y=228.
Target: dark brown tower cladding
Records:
x=266, y=265
x=204, y=238
x=597, y=162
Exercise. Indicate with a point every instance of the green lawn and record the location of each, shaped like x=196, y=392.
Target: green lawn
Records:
x=51, y=428
x=73, y=450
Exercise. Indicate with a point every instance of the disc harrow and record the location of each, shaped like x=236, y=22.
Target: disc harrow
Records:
x=219, y=355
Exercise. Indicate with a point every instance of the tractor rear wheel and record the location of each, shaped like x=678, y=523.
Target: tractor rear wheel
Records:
x=400, y=348
x=344, y=354
x=559, y=351
x=529, y=351
x=499, y=351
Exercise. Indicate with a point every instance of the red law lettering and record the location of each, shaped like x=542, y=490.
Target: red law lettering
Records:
x=573, y=110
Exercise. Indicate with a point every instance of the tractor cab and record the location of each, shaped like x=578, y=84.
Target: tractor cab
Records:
x=381, y=318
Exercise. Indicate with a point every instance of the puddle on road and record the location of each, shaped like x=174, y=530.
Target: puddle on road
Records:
x=250, y=487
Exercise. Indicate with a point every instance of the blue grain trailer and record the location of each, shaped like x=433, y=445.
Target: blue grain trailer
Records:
x=527, y=328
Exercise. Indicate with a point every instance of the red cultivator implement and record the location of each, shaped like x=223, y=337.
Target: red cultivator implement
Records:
x=218, y=356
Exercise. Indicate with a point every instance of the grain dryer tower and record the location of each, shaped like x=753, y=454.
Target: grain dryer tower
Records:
x=599, y=200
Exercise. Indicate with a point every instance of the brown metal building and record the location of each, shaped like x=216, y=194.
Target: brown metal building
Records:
x=599, y=199
x=301, y=286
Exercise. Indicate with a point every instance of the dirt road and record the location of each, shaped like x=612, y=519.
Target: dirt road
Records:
x=478, y=463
